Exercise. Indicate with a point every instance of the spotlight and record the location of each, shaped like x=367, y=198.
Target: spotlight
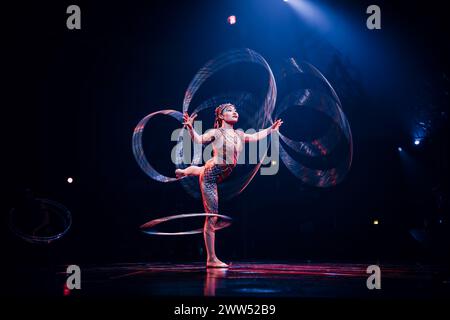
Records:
x=69, y=180
x=231, y=20
x=416, y=142
x=400, y=149
x=375, y=222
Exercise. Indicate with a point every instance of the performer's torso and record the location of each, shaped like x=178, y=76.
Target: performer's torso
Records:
x=227, y=146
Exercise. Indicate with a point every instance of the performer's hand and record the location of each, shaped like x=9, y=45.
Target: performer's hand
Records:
x=188, y=120
x=276, y=125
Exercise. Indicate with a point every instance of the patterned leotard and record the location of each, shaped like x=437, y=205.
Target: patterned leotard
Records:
x=215, y=173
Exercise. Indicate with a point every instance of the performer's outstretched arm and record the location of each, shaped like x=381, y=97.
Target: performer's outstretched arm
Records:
x=197, y=138
x=253, y=137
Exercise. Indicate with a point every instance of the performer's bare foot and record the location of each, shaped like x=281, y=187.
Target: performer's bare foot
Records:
x=179, y=173
x=216, y=263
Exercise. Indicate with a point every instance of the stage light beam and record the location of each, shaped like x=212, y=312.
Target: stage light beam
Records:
x=310, y=12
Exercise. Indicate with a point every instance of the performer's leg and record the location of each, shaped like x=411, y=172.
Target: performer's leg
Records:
x=210, y=204
x=189, y=171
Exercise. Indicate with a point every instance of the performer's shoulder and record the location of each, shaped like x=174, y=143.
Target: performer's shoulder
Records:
x=211, y=131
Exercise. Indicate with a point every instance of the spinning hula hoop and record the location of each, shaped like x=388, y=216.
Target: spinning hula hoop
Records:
x=149, y=227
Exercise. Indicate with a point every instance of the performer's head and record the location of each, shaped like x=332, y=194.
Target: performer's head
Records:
x=226, y=112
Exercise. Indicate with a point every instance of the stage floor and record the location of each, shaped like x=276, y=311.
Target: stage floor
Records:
x=242, y=279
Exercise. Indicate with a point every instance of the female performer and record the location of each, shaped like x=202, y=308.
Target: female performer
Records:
x=227, y=144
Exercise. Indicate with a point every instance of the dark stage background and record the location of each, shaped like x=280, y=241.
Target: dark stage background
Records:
x=74, y=97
